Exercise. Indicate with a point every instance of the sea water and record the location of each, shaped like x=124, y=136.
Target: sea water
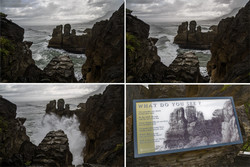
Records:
x=38, y=124
x=40, y=36
x=168, y=51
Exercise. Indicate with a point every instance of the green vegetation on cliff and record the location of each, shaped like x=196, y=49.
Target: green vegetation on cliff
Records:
x=3, y=124
x=6, y=46
x=132, y=43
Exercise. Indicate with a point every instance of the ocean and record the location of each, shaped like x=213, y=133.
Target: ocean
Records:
x=168, y=51
x=38, y=124
x=40, y=36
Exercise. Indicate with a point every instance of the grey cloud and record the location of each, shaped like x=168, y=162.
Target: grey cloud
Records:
x=52, y=12
x=179, y=10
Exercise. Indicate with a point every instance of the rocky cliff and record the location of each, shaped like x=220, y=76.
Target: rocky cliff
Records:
x=193, y=38
x=220, y=156
x=105, y=51
x=17, y=64
x=143, y=63
x=16, y=56
x=103, y=125
x=230, y=51
x=16, y=148
x=69, y=41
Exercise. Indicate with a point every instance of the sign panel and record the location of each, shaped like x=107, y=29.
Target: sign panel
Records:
x=164, y=126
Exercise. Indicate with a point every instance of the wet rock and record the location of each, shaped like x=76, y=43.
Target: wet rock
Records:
x=105, y=51
x=61, y=69
x=53, y=150
x=230, y=50
x=192, y=38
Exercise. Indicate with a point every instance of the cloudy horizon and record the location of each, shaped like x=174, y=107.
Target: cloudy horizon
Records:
x=47, y=12
x=183, y=10
x=29, y=93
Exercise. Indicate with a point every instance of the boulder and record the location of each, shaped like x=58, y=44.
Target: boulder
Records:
x=53, y=150
x=230, y=51
x=105, y=51
x=61, y=69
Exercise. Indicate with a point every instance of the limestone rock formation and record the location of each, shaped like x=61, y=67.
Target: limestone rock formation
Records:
x=102, y=122
x=68, y=41
x=61, y=69
x=16, y=56
x=194, y=38
x=62, y=109
x=53, y=150
x=219, y=156
x=12, y=135
x=105, y=51
x=230, y=51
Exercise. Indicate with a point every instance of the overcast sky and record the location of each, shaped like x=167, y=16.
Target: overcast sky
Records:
x=182, y=10
x=16, y=93
x=33, y=12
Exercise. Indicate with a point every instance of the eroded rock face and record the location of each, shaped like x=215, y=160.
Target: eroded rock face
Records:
x=102, y=123
x=61, y=69
x=12, y=135
x=230, y=51
x=105, y=51
x=194, y=38
x=16, y=55
x=53, y=150
x=68, y=41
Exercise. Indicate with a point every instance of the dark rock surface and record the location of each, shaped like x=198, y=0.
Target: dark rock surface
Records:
x=230, y=51
x=144, y=65
x=53, y=150
x=68, y=41
x=105, y=51
x=103, y=125
x=61, y=69
x=16, y=56
x=194, y=38
x=220, y=156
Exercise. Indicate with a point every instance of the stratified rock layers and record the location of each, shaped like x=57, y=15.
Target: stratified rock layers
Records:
x=230, y=61
x=68, y=41
x=105, y=51
x=194, y=38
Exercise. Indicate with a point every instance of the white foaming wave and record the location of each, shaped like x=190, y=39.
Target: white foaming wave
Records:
x=203, y=71
x=70, y=126
x=167, y=50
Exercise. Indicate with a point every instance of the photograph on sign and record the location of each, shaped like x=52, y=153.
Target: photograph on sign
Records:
x=174, y=125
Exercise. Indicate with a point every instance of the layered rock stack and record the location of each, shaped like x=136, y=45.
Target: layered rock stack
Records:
x=53, y=150
x=62, y=109
x=230, y=51
x=105, y=51
x=193, y=38
x=61, y=69
x=68, y=41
